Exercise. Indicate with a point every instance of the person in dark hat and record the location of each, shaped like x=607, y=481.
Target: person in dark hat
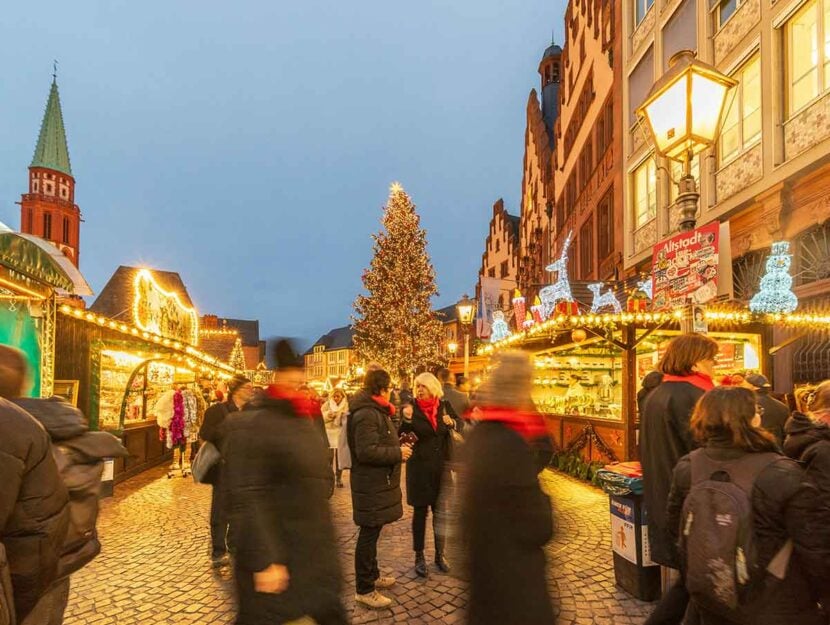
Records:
x=774, y=413
x=240, y=391
x=279, y=479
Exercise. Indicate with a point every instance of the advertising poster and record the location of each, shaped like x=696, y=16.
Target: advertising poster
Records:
x=623, y=536
x=685, y=268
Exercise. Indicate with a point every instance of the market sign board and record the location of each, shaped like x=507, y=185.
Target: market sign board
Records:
x=162, y=312
x=685, y=268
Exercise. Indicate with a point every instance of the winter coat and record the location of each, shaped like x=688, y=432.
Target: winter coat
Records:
x=344, y=454
x=506, y=520
x=425, y=468
x=665, y=437
x=277, y=475
x=376, y=463
x=212, y=432
x=34, y=512
x=775, y=415
x=333, y=417
x=780, y=503
x=459, y=401
x=809, y=442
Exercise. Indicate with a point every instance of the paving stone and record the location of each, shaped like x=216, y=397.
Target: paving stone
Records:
x=155, y=565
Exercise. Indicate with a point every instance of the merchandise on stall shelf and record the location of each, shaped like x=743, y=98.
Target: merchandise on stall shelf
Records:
x=177, y=414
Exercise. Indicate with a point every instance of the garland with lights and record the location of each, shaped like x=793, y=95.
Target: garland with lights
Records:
x=394, y=322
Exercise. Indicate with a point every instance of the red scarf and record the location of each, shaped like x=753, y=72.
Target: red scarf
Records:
x=380, y=399
x=430, y=408
x=304, y=406
x=529, y=425
x=700, y=380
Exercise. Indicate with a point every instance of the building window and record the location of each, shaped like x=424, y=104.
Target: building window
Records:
x=605, y=226
x=639, y=84
x=35, y=186
x=66, y=230
x=47, y=225
x=809, y=62
x=726, y=9
x=48, y=188
x=677, y=174
x=680, y=33
x=641, y=8
x=645, y=193
x=491, y=273
x=586, y=249
x=742, y=122
x=504, y=269
x=498, y=245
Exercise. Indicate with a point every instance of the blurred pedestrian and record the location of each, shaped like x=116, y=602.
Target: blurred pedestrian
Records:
x=34, y=503
x=774, y=414
x=808, y=441
x=278, y=481
x=732, y=577
x=375, y=481
x=431, y=419
x=506, y=519
x=335, y=410
x=651, y=381
x=459, y=401
x=688, y=367
x=240, y=391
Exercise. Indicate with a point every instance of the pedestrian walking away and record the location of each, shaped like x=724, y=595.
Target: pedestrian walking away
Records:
x=737, y=509
x=335, y=411
x=375, y=481
x=432, y=420
x=506, y=519
x=240, y=391
x=281, y=532
x=665, y=436
x=459, y=401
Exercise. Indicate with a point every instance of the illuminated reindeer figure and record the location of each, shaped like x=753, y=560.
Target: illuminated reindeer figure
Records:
x=601, y=300
x=559, y=291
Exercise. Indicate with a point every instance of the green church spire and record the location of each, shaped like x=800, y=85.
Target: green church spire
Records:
x=51, y=151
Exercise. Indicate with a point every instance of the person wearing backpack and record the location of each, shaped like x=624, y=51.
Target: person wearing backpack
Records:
x=808, y=440
x=737, y=511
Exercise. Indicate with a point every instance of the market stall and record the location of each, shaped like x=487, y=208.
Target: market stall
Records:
x=136, y=343
x=33, y=275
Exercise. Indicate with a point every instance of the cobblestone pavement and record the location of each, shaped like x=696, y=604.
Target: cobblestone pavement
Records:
x=154, y=567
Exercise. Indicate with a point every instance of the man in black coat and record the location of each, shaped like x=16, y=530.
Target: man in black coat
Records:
x=240, y=391
x=34, y=512
x=278, y=480
x=459, y=401
x=775, y=413
x=375, y=480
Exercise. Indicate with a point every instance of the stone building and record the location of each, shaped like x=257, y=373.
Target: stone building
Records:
x=332, y=358
x=497, y=277
x=769, y=174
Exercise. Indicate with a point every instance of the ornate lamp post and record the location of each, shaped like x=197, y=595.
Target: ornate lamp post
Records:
x=466, y=309
x=683, y=113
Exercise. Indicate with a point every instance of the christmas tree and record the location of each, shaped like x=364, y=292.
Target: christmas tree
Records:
x=237, y=358
x=776, y=294
x=394, y=322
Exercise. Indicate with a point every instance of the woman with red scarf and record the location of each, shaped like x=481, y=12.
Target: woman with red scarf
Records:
x=432, y=420
x=688, y=368
x=506, y=519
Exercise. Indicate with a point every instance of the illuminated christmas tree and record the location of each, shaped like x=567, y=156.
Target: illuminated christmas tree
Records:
x=237, y=358
x=394, y=322
x=776, y=294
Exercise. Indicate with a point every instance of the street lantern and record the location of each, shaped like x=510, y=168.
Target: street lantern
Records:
x=683, y=113
x=466, y=309
x=452, y=347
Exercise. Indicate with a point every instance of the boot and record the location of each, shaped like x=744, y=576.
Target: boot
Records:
x=441, y=562
x=421, y=565
x=339, y=481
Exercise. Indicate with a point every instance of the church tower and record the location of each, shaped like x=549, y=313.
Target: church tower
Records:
x=550, y=69
x=48, y=210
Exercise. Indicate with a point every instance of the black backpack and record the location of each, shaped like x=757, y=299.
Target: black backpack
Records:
x=716, y=537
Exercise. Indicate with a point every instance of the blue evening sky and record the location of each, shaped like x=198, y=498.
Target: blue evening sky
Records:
x=250, y=145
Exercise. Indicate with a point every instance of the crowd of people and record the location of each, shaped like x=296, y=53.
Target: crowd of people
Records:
x=736, y=490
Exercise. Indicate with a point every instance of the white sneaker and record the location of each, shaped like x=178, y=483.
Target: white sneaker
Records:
x=385, y=581
x=373, y=600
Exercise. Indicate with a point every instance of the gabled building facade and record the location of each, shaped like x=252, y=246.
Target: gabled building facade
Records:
x=332, y=358
x=499, y=272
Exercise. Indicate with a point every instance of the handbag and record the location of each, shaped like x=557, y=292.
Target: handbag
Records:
x=207, y=458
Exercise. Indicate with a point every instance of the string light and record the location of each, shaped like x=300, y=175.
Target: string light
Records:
x=500, y=329
x=776, y=294
x=603, y=300
x=144, y=280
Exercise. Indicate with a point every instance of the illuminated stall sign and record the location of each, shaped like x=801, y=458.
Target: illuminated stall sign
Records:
x=685, y=268
x=162, y=312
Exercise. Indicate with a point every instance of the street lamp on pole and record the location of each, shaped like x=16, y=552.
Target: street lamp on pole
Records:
x=683, y=113
x=452, y=347
x=466, y=309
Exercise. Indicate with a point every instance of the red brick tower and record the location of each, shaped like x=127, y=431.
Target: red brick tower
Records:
x=48, y=210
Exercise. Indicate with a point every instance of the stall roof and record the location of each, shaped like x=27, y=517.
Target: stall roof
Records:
x=116, y=298
x=40, y=260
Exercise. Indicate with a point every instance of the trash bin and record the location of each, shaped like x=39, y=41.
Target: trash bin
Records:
x=634, y=571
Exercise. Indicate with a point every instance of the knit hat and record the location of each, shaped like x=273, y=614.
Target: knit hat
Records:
x=285, y=357
x=236, y=383
x=757, y=380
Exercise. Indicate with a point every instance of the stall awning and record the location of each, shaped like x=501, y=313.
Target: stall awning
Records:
x=40, y=260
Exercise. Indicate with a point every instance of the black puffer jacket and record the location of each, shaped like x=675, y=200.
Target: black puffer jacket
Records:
x=278, y=480
x=376, y=463
x=780, y=504
x=665, y=437
x=809, y=442
x=34, y=513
